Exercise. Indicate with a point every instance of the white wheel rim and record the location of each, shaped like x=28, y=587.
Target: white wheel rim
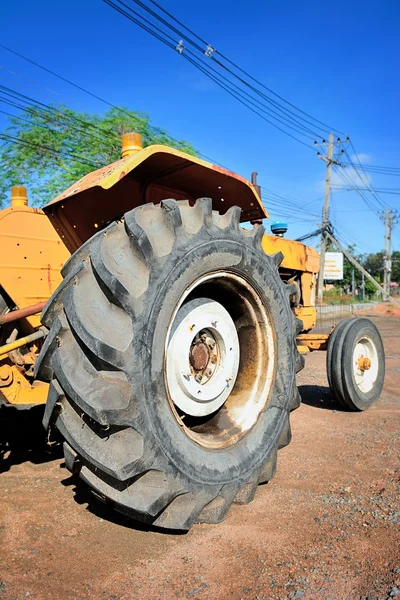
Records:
x=206, y=394
x=365, y=364
x=239, y=388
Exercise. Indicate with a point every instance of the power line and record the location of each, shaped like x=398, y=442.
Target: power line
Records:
x=279, y=200
x=290, y=122
x=75, y=157
x=236, y=92
x=286, y=112
x=207, y=46
x=364, y=177
x=348, y=181
x=11, y=96
x=395, y=191
x=120, y=110
x=377, y=169
x=236, y=95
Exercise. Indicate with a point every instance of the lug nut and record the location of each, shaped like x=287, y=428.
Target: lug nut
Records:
x=213, y=359
x=198, y=377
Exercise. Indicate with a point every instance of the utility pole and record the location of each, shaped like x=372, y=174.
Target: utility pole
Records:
x=390, y=217
x=330, y=160
x=386, y=275
x=325, y=216
x=354, y=262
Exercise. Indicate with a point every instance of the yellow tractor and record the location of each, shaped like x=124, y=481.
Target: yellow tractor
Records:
x=172, y=343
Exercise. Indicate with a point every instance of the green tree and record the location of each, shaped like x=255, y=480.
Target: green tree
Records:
x=374, y=263
x=48, y=149
x=396, y=266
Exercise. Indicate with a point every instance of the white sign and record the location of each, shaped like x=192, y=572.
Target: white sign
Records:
x=333, y=265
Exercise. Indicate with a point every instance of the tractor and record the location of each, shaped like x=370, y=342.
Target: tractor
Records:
x=167, y=353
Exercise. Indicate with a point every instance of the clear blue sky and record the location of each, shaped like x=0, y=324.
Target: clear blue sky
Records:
x=338, y=61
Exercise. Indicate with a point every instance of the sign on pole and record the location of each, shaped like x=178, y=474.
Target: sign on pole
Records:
x=333, y=265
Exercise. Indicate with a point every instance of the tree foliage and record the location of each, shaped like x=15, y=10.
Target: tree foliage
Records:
x=57, y=146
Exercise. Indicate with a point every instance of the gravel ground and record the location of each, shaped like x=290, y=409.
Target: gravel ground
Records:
x=327, y=527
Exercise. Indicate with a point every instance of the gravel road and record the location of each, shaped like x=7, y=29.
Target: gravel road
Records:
x=327, y=527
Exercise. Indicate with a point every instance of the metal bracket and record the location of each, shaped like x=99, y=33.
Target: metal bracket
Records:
x=209, y=51
x=180, y=47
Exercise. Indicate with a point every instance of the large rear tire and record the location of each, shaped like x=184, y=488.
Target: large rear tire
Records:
x=172, y=360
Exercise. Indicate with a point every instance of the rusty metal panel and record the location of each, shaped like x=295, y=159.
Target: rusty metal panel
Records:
x=313, y=341
x=153, y=174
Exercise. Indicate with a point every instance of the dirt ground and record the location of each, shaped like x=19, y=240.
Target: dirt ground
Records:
x=327, y=527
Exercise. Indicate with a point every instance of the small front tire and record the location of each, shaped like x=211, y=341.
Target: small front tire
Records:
x=356, y=364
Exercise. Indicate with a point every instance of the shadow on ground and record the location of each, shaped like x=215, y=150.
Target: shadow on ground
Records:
x=23, y=437
x=106, y=510
x=318, y=396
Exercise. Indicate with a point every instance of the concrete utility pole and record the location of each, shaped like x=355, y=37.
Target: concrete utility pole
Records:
x=391, y=217
x=325, y=216
x=330, y=160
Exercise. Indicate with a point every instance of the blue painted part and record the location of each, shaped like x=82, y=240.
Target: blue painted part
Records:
x=279, y=227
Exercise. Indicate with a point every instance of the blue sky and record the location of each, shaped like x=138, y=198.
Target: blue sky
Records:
x=339, y=62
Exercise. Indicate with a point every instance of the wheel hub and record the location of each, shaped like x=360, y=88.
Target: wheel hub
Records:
x=364, y=363
x=199, y=356
x=202, y=357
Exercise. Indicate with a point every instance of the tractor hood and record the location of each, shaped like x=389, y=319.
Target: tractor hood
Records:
x=149, y=175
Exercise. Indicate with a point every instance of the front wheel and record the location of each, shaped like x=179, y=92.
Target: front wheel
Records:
x=356, y=363
x=172, y=361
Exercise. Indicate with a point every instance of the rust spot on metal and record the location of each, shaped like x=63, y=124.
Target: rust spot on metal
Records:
x=22, y=313
x=229, y=173
x=364, y=363
x=199, y=356
x=49, y=276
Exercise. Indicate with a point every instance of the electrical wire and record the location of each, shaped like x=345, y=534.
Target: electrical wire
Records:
x=344, y=176
x=11, y=97
x=326, y=127
x=290, y=114
x=364, y=177
x=378, y=169
x=154, y=129
x=229, y=86
x=71, y=155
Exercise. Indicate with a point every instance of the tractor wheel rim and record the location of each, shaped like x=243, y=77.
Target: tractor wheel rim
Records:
x=200, y=388
x=218, y=361
x=365, y=364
